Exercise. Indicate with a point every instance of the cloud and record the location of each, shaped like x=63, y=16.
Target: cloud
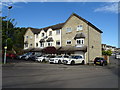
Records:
x=110, y=7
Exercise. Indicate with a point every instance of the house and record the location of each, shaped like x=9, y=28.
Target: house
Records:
x=106, y=47
x=75, y=36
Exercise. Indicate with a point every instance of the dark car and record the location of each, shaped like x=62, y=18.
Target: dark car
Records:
x=13, y=56
x=100, y=61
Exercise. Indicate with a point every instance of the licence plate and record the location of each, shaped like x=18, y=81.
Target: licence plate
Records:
x=97, y=62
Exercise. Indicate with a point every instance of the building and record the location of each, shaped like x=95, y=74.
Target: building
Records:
x=75, y=36
x=106, y=47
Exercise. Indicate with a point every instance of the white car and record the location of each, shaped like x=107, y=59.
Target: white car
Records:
x=74, y=60
x=43, y=58
x=58, y=59
x=117, y=56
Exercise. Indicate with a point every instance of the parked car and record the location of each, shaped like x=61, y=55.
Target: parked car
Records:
x=58, y=59
x=34, y=57
x=43, y=58
x=117, y=56
x=11, y=55
x=27, y=55
x=76, y=59
x=20, y=56
x=100, y=61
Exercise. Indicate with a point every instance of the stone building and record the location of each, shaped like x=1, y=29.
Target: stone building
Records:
x=75, y=36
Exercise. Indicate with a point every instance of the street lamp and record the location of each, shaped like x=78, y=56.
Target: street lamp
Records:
x=9, y=7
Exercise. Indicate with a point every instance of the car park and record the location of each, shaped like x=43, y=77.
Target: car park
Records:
x=117, y=56
x=100, y=61
x=58, y=59
x=76, y=59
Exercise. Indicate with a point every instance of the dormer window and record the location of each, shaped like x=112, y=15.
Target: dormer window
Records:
x=43, y=34
x=79, y=27
x=50, y=33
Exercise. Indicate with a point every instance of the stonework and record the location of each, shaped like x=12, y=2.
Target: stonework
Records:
x=68, y=31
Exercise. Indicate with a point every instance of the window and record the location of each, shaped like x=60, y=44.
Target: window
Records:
x=43, y=34
x=50, y=33
x=57, y=43
x=68, y=41
x=41, y=44
x=30, y=44
x=69, y=30
x=57, y=32
x=80, y=27
x=80, y=41
x=49, y=43
x=36, y=35
x=36, y=44
x=30, y=37
x=26, y=36
x=26, y=45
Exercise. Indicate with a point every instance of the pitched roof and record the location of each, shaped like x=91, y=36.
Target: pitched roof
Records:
x=60, y=25
x=73, y=14
x=35, y=30
x=79, y=35
x=53, y=27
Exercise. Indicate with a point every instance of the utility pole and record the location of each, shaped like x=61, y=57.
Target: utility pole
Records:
x=9, y=7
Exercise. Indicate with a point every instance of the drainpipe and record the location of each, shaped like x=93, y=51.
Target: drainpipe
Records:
x=88, y=43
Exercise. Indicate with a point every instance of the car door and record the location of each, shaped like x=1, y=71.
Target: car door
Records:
x=79, y=59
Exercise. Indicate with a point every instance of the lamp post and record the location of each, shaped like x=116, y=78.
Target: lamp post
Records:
x=9, y=7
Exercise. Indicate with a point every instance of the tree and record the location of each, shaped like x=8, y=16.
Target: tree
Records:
x=13, y=35
x=108, y=52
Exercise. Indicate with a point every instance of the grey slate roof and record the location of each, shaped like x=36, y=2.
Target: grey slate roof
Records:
x=72, y=48
x=50, y=39
x=60, y=25
x=79, y=35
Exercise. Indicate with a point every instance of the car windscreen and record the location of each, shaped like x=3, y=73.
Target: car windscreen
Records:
x=76, y=57
x=58, y=56
x=52, y=56
x=66, y=56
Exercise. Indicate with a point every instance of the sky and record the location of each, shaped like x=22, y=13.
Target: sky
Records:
x=103, y=15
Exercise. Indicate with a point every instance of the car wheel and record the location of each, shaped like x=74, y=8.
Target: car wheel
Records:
x=83, y=62
x=72, y=63
x=103, y=64
x=43, y=60
x=59, y=62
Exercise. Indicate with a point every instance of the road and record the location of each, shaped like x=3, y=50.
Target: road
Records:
x=28, y=74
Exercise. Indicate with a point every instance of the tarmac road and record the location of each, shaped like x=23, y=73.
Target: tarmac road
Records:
x=28, y=74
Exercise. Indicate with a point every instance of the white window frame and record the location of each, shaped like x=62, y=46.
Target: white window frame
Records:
x=68, y=30
x=50, y=34
x=43, y=35
x=41, y=44
x=81, y=41
x=49, y=43
x=36, y=35
x=57, y=32
x=79, y=27
x=26, y=45
x=36, y=44
x=68, y=41
x=31, y=37
x=57, y=44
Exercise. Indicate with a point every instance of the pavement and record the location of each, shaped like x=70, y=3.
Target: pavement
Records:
x=29, y=74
